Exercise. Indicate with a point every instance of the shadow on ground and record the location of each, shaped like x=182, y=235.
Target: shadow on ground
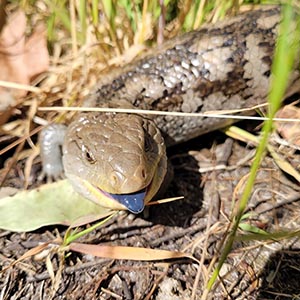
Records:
x=281, y=276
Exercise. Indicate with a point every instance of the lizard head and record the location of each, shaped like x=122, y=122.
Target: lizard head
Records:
x=116, y=160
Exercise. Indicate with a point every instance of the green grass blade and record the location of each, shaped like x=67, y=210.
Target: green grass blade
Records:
x=83, y=18
x=95, y=12
x=283, y=61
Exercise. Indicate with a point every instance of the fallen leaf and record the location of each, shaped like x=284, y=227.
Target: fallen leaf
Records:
x=21, y=58
x=131, y=253
x=54, y=203
x=290, y=131
x=36, y=53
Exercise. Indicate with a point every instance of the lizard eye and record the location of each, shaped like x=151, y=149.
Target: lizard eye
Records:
x=88, y=155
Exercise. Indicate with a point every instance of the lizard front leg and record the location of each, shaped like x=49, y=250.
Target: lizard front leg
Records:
x=51, y=140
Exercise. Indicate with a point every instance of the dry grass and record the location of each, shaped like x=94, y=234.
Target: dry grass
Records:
x=81, y=53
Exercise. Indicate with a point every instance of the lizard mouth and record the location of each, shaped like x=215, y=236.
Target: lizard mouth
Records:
x=134, y=202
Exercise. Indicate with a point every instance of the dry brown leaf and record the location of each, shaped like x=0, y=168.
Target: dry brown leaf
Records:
x=290, y=131
x=36, y=53
x=131, y=253
x=21, y=59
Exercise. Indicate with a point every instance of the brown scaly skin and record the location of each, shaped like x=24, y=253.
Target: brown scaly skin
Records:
x=222, y=66
x=115, y=153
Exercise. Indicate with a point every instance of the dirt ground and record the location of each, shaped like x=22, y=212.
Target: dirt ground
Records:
x=255, y=269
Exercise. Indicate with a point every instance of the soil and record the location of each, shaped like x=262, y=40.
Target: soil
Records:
x=198, y=225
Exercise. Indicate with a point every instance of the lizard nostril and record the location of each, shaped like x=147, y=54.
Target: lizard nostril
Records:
x=143, y=173
x=114, y=179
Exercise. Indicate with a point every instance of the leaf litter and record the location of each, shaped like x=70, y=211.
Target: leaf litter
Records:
x=70, y=77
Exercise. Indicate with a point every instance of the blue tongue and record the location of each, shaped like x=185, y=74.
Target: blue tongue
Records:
x=133, y=202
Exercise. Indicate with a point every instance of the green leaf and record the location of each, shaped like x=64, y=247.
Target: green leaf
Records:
x=55, y=203
x=250, y=228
